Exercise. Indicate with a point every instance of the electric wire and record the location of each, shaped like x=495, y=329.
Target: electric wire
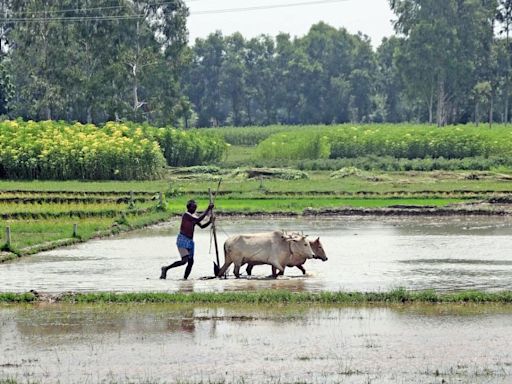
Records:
x=113, y=7
x=138, y=16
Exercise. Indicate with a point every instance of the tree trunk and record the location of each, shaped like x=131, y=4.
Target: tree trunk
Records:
x=431, y=106
x=249, y=111
x=441, y=104
x=135, y=72
x=491, y=110
x=477, y=119
x=89, y=114
x=507, y=78
x=135, y=95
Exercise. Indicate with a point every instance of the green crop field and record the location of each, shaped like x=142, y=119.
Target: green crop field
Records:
x=39, y=212
x=308, y=167
x=398, y=141
x=62, y=151
x=46, y=219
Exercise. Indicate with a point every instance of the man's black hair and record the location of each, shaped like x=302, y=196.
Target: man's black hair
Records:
x=191, y=202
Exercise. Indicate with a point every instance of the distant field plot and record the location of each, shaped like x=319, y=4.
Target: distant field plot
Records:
x=40, y=213
x=386, y=147
x=398, y=141
x=35, y=220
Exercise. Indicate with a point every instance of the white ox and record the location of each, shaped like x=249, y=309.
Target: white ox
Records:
x=317, y=248
x=272, y=248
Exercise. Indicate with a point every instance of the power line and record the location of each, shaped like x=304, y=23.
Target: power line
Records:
x=57, y=11
x=264, y=7
x=133, y=17
x=73, y=18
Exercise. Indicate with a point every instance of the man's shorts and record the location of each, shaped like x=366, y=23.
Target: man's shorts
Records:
x=185, y=246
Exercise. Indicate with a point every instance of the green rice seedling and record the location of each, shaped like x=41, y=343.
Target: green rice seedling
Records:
x=397, y=296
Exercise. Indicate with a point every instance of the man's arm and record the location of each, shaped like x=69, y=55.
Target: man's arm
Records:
x=204, y=214
x=203, y=226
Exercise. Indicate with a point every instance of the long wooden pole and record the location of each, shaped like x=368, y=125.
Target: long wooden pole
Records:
x=216, y=266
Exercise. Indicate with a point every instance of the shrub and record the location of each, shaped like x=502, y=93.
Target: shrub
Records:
x=397, y=141
x=62, y=151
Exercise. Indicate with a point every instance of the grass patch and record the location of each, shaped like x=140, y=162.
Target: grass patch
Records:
x=17, y=298
x=397, y=296
x=321, y=182
x=38, y=233
x=298, y=205
x=86, y=186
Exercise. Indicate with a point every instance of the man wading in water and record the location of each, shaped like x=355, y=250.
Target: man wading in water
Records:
x=185, y=240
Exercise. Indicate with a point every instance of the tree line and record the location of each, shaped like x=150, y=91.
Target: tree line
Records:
x=86, y=61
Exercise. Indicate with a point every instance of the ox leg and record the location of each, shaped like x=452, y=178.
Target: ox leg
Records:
x=302, y=269
x=275, y=273
x=278, y=267
x=236, y=271
x=249, y=269
x=224, y=268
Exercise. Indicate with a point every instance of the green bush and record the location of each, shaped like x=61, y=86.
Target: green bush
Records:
x=57, y=150
x=187, y=148
x=61, y=151
x=397, y=141
x=304, y=145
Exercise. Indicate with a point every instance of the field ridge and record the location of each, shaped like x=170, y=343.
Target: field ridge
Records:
x=396, y=296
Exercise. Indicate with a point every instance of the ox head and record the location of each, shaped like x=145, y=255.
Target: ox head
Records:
x=300, y=246
x=318, y=250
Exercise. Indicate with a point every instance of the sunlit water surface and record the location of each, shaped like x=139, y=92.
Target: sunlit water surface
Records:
x=446, y=254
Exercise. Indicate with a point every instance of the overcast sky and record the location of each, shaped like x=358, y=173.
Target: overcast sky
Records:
x=371, y=17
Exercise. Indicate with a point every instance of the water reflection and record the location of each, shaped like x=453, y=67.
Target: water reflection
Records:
x=457, y=261
x=417, y=343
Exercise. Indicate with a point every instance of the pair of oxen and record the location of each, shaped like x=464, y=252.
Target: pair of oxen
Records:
x=277, y=249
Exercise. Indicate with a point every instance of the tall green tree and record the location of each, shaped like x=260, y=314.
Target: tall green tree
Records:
x=97, y=60
x=233, y=74
x=292, y=70
x=390, y=82
x=261, y=85
x=203, y=80
x=443, y=40
x=504, y=17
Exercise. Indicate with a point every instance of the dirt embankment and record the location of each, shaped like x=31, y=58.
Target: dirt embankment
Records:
x=492, y=207
x=480, y=209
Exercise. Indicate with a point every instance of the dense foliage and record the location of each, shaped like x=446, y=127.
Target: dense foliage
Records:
x=57, y=150
x=187, y=148
x=94, y=61
x=450, y=62
x=400, y=141
x=444, y=66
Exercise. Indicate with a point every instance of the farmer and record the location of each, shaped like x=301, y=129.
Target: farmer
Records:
x=185, y=240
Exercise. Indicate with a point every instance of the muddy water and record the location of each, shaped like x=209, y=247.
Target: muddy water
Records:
x=446, y=254
x=410, y=344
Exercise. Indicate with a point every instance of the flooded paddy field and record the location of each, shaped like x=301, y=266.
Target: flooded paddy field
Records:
x=195, y=343
x=365, y=254
x=272, y=344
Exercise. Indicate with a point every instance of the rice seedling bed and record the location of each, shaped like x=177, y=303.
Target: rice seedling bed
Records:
x=396, y=296
x=33, y=235
x=71, y=200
